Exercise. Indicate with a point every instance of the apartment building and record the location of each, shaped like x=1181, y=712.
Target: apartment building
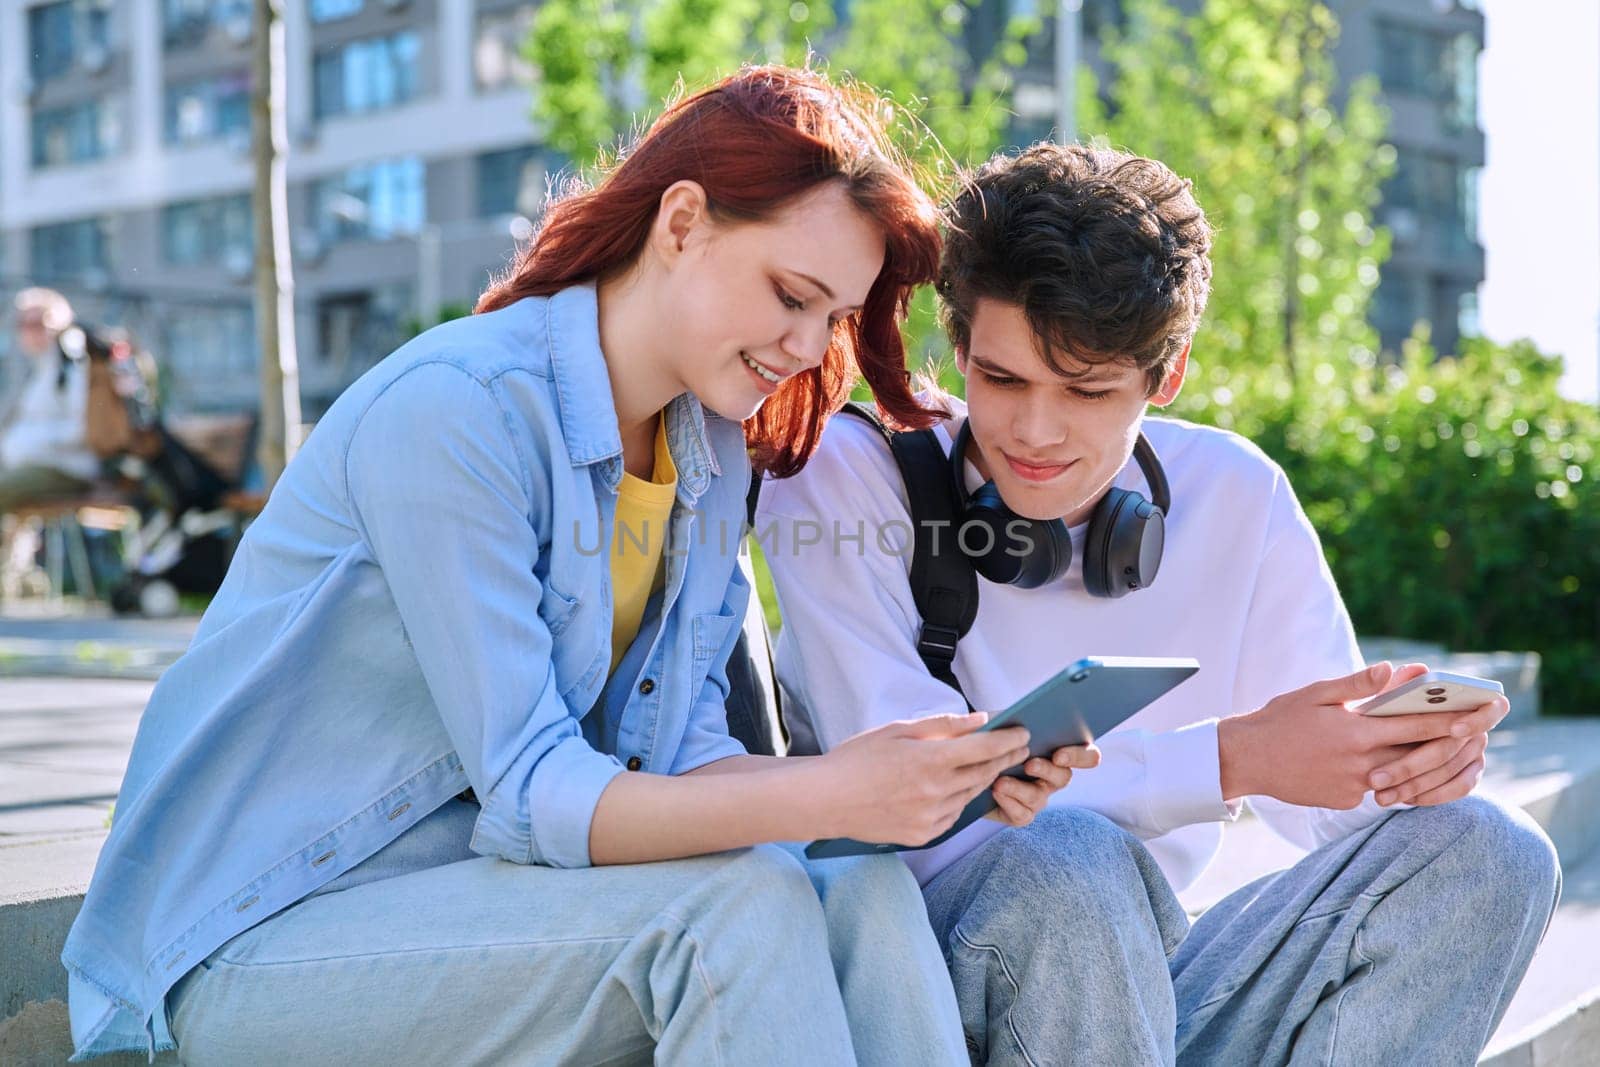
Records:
x=125, y=172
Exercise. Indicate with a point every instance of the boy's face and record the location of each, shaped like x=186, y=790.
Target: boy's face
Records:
x=1051, y=444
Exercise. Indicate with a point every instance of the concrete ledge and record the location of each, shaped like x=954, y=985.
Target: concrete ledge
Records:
x=43, y=882
x=1565, y=1038
x=39, y=1037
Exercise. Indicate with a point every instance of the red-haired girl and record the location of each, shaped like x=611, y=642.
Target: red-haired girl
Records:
x=445, y=776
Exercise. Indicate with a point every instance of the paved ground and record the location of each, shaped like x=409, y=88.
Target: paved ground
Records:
x=63, y=747
x=91, y=646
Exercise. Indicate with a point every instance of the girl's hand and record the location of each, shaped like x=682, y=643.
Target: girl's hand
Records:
x=1021, y=799
x=905, y=782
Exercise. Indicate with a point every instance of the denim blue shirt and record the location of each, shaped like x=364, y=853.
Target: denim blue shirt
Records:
x=423, y=605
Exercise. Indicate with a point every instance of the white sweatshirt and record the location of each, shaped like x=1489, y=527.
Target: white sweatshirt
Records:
x=1243, y=588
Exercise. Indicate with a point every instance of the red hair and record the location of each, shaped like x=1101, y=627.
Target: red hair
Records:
x=754, y=141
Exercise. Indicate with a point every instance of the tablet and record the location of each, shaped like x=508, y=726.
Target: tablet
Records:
x=1082, y=702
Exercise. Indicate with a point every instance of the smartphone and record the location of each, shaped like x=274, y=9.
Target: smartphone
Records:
x=1434, y=691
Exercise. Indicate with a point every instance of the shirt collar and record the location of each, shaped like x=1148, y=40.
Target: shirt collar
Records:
x=588, y=411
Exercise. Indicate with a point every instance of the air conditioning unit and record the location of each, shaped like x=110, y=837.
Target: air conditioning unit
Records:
x=94, y=58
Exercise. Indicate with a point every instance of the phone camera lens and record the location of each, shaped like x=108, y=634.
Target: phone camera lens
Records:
x=1436, y=691
x=1436, y=700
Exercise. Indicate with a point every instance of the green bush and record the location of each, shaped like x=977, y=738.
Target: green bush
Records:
x=1453, y=499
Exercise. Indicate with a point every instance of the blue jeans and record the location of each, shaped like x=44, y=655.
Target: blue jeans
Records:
x=1401, y=943
x=426, y=953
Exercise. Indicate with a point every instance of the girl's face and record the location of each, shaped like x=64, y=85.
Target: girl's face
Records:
x=748, y=304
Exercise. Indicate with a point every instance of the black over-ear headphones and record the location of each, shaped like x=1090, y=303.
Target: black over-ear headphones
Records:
x=1122, y=549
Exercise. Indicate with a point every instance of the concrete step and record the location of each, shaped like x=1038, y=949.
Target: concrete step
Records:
x=1551, y=770
x=1555, y=1019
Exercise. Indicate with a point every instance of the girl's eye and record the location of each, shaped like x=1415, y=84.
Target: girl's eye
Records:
x=789, y=301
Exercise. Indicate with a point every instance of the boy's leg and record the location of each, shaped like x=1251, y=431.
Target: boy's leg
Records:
x=891, y=973
x=1409, y=937
x=720, y=959
x=1057, y=936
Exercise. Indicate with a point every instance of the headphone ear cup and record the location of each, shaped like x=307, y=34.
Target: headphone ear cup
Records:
x=1008, y=549
x=1122, y=550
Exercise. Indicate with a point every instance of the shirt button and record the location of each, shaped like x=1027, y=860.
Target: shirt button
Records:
x=647, y=686
x=634, y=763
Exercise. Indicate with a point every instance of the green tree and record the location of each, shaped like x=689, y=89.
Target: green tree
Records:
x=1242, y=97
x=605, y=66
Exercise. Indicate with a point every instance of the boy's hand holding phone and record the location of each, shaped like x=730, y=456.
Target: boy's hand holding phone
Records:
x=1311, y=747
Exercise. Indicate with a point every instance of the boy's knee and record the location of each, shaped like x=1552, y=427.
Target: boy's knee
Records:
x=1068, y=857
x=1498, y=848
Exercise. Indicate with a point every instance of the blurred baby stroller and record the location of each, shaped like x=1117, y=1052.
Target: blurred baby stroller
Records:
x=186, y=533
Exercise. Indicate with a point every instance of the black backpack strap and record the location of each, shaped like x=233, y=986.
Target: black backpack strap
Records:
x=944, y=584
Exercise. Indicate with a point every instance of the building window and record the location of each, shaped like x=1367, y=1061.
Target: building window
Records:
x=207, y=109
x=1441, y=193
x=497, y=54
x=1394, y=311
x=186, y=23
x=204, y=342
x=77, y=133
x=214, y=231
x=512, y=182
x=331, y=10
x=372, y=202
x=355, y=330
x=1468, y=321
x=1461, y=62
x=1443, y=69
x=68, y=250
x=1410, y=60
x=68, y=33
x=367, y=75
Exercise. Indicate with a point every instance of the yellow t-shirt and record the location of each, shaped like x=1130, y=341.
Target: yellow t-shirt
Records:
x=637, y=543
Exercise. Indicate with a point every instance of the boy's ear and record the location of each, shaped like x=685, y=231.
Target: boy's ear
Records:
x=961, y=360
x=1173, y=383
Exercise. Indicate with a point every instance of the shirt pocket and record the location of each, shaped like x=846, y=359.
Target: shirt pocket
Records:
x=556, y=609
x=710, y=631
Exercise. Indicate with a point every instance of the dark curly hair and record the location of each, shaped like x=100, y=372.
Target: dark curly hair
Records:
x=1107, y=254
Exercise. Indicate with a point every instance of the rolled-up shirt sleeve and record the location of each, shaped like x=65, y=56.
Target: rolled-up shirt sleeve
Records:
x=444, y=500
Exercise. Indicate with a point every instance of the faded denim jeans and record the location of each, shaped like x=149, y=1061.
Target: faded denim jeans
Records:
x=428, y=954
x=1401, y=943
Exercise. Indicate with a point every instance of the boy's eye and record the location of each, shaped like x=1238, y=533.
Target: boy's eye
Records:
x=1003, y=381
x=789, y=300
x=1092, y=394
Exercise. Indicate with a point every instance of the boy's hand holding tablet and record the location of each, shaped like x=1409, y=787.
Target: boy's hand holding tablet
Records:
x=1061, y=718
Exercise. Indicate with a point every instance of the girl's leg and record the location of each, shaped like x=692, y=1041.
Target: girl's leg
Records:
x=891, y=972
x=717, y=960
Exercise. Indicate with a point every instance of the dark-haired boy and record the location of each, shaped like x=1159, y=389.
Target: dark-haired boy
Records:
x=1072, y=283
